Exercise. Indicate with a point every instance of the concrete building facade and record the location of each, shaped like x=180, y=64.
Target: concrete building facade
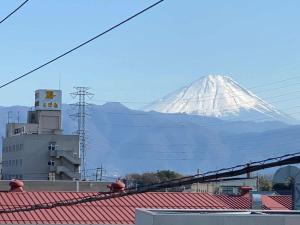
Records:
x=230, y=187
x=37, y=150
x=215, y=217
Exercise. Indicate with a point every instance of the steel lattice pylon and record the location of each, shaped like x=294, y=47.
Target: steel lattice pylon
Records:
x=82, y=94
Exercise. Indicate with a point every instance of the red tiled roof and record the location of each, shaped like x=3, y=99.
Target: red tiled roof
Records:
x=276, y=202
x=113, y=211
x=235, y=202
x=285, y=200
x=271, y=204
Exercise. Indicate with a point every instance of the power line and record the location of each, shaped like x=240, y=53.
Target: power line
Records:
x=9, y=15
x=224, y=109
x=197, y=99
x=276, y=82
x=82, y=44
x=208, y=97
x=201, y=178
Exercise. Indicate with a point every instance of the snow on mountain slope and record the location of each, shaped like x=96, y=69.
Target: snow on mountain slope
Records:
x=218, y=96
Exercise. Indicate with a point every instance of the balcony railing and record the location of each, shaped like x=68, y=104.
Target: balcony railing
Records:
x=68, y=155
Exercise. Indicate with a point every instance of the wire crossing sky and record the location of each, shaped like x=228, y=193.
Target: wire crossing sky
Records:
x=14, y=11
x=253, y=42
x=80, y=45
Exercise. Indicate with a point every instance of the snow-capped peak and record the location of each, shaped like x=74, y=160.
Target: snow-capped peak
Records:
x=217, y=96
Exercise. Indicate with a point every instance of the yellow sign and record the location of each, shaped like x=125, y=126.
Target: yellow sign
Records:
x=50, y=95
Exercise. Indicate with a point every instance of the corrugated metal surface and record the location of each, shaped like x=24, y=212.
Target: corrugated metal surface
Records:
x=276, y=202
x=114, y=211
x=270, y=203
x=285, y=200
x=235, y=202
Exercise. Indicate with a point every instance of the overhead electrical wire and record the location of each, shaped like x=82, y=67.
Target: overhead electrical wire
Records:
x=209, y=97
x=200, y=178
x=81, y=45
x=196, y=99
x=198, y=159
x=275, y=82
x=223, y=110
x=9, y=15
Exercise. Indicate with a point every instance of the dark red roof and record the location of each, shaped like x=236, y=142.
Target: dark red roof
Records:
x=114, y=211
x=235, y=202
x=284, y=200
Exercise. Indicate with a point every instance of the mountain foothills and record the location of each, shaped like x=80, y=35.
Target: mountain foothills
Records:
x=218, y=96
x=130, y=141
x=212, y=123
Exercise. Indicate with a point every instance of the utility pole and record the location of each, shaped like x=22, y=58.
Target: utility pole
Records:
x=82, y=94
x=248, y=175
x=18, y=116
x=99, y=173
x=198, y=173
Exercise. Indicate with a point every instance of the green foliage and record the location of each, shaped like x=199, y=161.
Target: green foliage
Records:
x=265, y=183
x=136, y=179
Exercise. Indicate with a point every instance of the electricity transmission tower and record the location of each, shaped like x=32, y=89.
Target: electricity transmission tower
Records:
x=82, y=94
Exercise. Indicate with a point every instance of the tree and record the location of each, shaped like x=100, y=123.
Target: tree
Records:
x=265, y=183
x=165, y=175
x=136, y=180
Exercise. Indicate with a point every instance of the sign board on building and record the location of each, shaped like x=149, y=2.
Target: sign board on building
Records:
x=48, y=99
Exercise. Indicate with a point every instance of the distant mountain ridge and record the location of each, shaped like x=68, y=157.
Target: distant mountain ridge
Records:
x=125, y=140
x=221, y=97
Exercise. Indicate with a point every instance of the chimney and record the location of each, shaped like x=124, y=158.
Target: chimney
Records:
x=16, y=185
x=256, y=201
x=245, y=190
x=117, y=186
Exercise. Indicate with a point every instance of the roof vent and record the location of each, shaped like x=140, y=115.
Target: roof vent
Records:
x=256, y=200
x=117, y=186
x=16, y=185
x=245, y=190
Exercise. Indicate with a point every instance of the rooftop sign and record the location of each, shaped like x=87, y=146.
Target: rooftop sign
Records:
x=48, y=99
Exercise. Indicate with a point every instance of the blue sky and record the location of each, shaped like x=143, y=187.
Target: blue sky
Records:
x=255, y=42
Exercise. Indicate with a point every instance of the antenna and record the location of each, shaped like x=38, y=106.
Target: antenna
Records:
x=9, y=116
x=59, y=81
x=82, y=93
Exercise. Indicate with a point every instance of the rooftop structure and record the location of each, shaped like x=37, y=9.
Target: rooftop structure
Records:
x=216, y=217
x=37, y=150
x=59, y=185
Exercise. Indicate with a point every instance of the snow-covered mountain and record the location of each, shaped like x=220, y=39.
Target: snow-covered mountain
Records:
x=221, y=97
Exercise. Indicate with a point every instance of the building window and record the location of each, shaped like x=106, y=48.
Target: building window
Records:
x=19, y=130
x=51, y=146
x=51, y=163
